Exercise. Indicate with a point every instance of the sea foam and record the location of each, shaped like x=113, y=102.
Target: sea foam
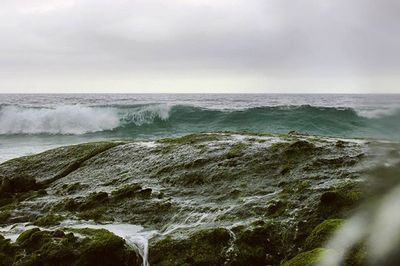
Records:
x=60, y=120
x=75, y=119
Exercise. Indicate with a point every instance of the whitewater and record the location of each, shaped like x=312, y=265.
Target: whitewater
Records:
x=34, y=123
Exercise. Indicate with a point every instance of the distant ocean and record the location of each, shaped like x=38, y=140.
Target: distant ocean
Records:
x=34, y=123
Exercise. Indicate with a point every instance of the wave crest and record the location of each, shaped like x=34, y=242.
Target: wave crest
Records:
x=76, y=120
x=153, y=120
x=60, y=120
x=146, y=114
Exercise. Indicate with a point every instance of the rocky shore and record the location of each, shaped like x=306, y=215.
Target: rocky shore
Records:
x=204, y=199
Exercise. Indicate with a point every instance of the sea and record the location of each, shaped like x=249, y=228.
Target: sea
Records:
x=32, y=123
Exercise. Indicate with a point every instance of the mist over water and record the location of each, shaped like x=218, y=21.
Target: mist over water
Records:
x=53, y=120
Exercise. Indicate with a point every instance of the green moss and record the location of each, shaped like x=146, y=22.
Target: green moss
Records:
x=68, y=189
x=55, y=163
x=276, y=208
x=335, y=203
x=97, y=214
x=6, y=202
x=357, y=256
x=322, y=233
x=276, y=147
x=7, y=251
x=69, y=205
x=102, y=247
x=95, y=199
x=190, y=139
x=204, y=247
x=340, y=144
x=26, y=234
x=4, y=215
x=17, y=184
x=188, y=178
x=258, y=244
x=236, y=150
x=48, y=220
x=98, y=247
x=310, y=258
x=126, y=191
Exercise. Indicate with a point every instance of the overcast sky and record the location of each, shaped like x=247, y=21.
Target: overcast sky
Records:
x=199, y=46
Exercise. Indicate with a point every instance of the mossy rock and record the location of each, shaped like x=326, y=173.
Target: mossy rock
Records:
x=94, y=200
x=48, y=220
x=50, y=165
x=126, y=192
x=190, y=139
x=204, y=247
x=276, y=208
x=68, y=189
x=7, y=251
x=6, y=202
x=18, y=184
x=322, y=233
x=257, y=245
x=357, y=256
x=191, y=178
x=102, y=247
x=335, y=203
x=96, y=214
x=98, y=247
x=309, y=258
x=236, y=150
x=289, y=151
x=69, y=205
x=4, y=215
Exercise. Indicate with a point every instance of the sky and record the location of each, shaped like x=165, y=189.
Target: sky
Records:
x=139, y=46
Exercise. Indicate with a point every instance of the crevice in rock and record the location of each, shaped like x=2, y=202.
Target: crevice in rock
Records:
x=76, y=165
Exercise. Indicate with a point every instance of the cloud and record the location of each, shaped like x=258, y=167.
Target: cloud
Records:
x=278, y=38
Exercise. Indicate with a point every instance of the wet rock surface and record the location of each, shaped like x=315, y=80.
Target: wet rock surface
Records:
x=205, y=199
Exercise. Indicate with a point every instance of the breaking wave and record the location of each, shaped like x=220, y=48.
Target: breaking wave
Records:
x=152, y=120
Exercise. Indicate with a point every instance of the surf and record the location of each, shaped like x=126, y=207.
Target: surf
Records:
x=157, y=120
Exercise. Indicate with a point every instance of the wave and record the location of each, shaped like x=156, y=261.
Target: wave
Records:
x=60, y=120
x=152, y=120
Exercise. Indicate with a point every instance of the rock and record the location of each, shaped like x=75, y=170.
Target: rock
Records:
x=270, y=191
x=190, y=139
x=52, y=164
x=126, y=191
x=260, y=244
x=322, y=233
x=297, y=133
x=340, y=144
x=4, y=215
x=310, y=258
x=276, y=208
x=236, y=150
x=336, y=202
x=94, y=200
x=48, y=220
x=98, y=247
x=7, y=251
x=204, y=247
x=17, y=184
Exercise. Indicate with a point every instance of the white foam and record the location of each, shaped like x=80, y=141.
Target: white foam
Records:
x=76, y=119
x=377, y=112
x=133, y=235
x=60, y=120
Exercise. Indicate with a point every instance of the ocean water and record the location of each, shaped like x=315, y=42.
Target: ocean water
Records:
x=34, y=123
